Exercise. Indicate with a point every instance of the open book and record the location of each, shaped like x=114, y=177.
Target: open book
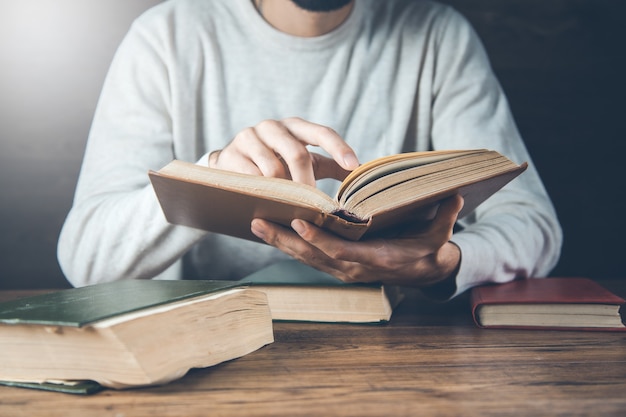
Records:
x=129, y=333
x=548, y=303
x=298, y=292
x=379, y=196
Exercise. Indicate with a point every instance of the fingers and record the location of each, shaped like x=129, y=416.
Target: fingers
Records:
x=386, y=255
x=324, y=137
x=284, y=149
x=416, y=260
x=325, y=167
x=293, y=245
x=366, y=261
x=252, y=152
x=279, y=149
x=286, y=240
x=334, y=247
x=377, y=253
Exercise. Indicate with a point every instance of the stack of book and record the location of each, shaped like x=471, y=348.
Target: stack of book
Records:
x=147, y=332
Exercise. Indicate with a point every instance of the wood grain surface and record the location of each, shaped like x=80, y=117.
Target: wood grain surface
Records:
x=429, y=360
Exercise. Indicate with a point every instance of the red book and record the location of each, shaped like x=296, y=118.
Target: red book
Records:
x=548, y=303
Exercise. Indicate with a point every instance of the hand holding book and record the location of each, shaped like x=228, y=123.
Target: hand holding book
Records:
x=386, y=193
x=382, y=198
x=415, y=259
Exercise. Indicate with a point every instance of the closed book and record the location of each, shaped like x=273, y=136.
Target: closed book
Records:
x=298, y=292
x=548, y=303
x=129, y=333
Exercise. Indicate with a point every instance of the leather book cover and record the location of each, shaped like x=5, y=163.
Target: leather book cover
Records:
x=214, y=208
x=193, y=204
x=545, y=291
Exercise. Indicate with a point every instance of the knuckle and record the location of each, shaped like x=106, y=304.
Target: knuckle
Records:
x=307, y=256
x=246, y=135
x=354, y=275
x=248, y=131
x=300, y=156
x=275, y=169
x=292, y=119
x=348, y=279
x=386, y=258
x=269, y=237
x=382, y=262
x=440, y=237
x=267, y=124
x=325, y=131
x=328, y=131
x=263, y=129
x=338, y=252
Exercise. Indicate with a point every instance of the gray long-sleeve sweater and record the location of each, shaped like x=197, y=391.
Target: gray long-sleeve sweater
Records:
x=395, y=76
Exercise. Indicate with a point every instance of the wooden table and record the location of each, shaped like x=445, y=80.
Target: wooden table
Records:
x=430, y=360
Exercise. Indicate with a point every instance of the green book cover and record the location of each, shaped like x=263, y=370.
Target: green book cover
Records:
x=78, y=307
x=74, y=387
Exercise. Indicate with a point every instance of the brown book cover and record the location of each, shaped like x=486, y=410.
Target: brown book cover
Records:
x=548, y=303
x=379, y=197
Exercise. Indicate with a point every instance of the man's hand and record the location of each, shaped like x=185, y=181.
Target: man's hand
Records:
x=278, y=148
x=421, y=259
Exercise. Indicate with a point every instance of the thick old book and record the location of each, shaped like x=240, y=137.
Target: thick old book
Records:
x=548, y=303
x=381, y=196
x=298, y=292
x=129, y=333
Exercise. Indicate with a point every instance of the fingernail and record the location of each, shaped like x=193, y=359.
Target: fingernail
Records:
x=298, y=226
x=350, y=161
x=257, y=229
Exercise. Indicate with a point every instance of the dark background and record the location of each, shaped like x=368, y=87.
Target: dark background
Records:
x=561, y=63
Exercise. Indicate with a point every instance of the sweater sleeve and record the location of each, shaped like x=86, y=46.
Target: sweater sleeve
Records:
x=515, y=233
x=116, y=229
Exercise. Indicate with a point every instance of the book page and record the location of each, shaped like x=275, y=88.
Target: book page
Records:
x=377, y=168
x=370, y=185
x=432, y=184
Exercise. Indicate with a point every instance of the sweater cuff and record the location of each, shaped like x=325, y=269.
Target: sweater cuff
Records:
x=474, y=269
x=469, y=273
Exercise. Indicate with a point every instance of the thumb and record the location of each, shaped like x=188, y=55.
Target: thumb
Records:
x=447, y=214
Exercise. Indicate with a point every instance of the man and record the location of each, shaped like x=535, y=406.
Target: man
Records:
x=255, y=87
